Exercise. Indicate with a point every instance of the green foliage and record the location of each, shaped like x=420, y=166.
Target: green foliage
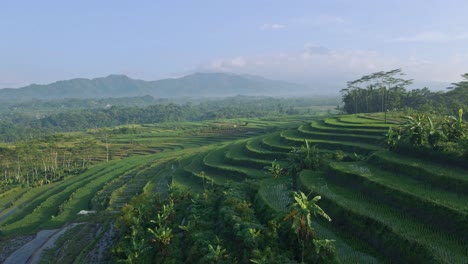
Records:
x=338, y=155
x=383, y=91
x=300, y=216
x=305, y=157
x=275, y=169
x=395, y=234
x=454, y=128
x=438, y=134
x=147, y=226
x=16, y=125
x=388, y=206
x=417, y=128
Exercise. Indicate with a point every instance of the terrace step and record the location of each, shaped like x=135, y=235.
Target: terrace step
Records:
x=215, y=163
x=399, y=238
x=361, y=119
x=292, y=137
x=321, y=126
x=273, y=142
x=134, y=185
x=28, y=204
x=198, y=173
x=236, y=156
x=337, y=136
x=449, y=178
x=390, y=118
x=185, y=179
x=253, y=148
x=8, y=198
x=101, y=199
x=336, y=122
x=439, y=209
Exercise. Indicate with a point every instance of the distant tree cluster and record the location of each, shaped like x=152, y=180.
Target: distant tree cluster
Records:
x=383, y=91
x=376, y=92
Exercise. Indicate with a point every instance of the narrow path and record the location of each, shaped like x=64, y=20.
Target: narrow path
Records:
x=31, y=252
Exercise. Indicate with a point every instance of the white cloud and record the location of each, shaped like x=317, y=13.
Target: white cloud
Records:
x=272, y=26
x=321, y=67
x=433, y=36
x=224, y=65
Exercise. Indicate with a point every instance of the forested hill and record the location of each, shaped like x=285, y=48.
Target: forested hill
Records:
x=195, y=85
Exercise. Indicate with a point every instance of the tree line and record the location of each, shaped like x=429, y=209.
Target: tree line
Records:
x=387, y=90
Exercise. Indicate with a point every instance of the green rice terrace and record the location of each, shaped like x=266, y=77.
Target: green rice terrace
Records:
x=229, y=185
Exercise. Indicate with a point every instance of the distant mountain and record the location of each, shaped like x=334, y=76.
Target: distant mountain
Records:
x=195, y=85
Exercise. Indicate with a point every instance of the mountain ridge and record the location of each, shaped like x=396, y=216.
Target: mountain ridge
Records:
x=114, y=85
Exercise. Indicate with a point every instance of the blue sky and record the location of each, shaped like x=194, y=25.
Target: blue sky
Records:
x=319, y=43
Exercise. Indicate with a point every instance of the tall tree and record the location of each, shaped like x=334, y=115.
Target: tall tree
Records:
x=376, y=92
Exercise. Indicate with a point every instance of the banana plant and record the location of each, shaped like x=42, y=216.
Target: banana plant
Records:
x=216, y=254
x=301, y=212
x=161, y=236
x=417, y=129
x=454, y=127
x=275, y=169
x=435, y=135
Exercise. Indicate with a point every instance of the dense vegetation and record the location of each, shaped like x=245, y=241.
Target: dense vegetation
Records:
x=26, y=123
x=386, y=91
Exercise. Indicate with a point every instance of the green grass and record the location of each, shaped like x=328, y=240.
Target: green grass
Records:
x=440, y=209
x=397, y=208
x=440, y=176
x=36, y=196
x=60, y=204
x=292, y=137
x=235, y=155
x=214, y=162
x=81, y=198
x=395, y=235
x=276, y=194
x=360, y=119
x=273, y=142
x=336, y=122
x=336, y=135
x=133, y=186
x=8, y=197
x=321, y=126
x=254, y=149
x=183, y=179
x=348, y=251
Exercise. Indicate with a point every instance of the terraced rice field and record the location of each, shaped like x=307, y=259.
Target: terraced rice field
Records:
x=385, y=207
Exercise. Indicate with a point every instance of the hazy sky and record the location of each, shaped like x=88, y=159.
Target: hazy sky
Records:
x=323, y=43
